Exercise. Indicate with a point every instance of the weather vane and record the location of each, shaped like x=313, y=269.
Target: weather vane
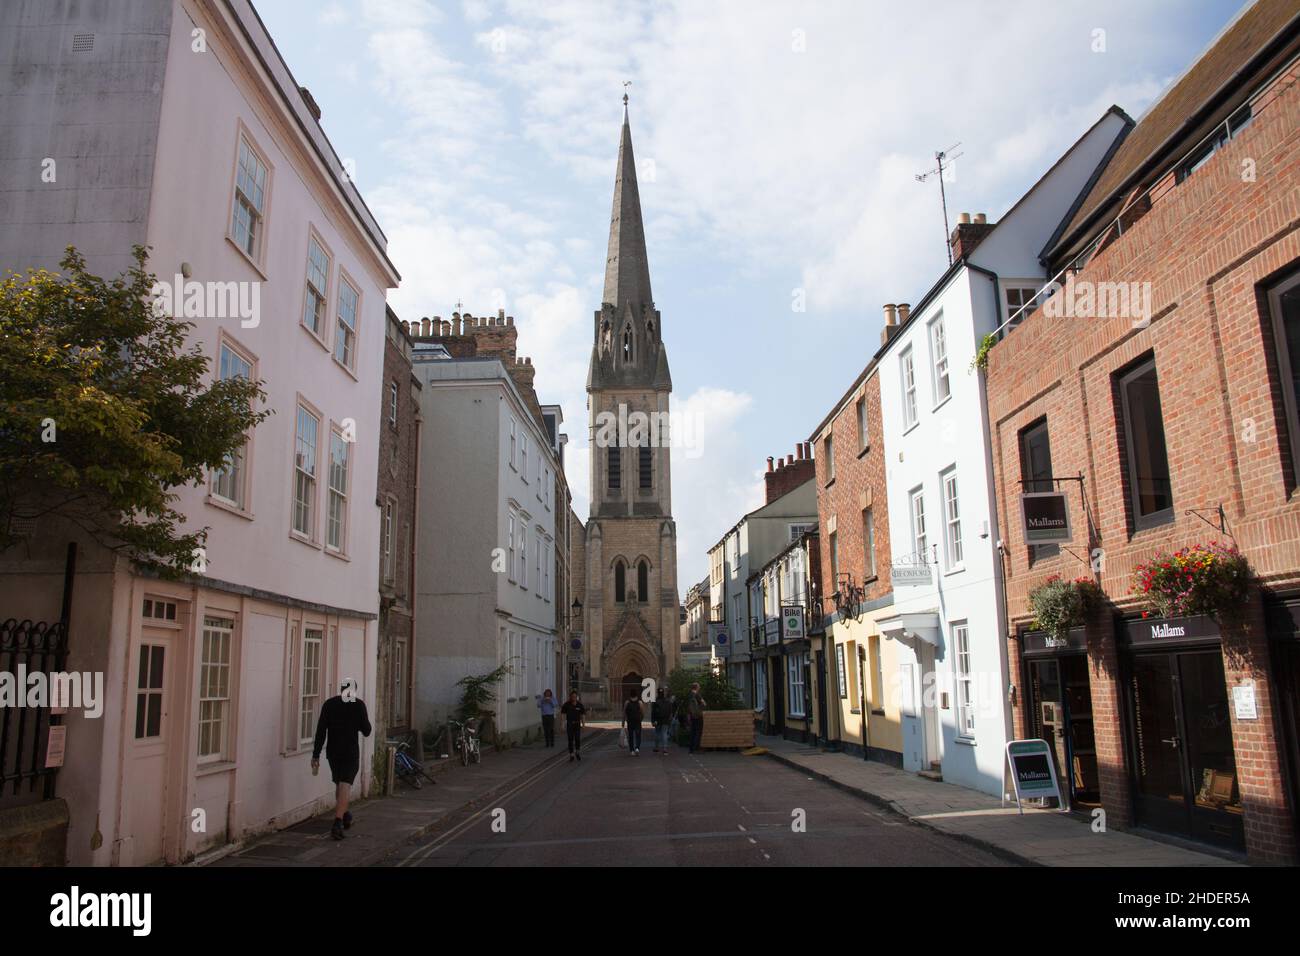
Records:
x=626, y=84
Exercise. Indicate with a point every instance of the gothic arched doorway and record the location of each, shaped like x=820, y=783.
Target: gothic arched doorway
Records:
x=630, y=686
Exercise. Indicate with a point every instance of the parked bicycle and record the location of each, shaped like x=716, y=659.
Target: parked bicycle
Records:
x=466, y=740
x=406, y=767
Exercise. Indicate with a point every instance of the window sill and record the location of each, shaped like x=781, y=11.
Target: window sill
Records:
x=341, y=555
x=218, y=502
x=964, y=741
x=345, y=368
x=941, y=404
x=957, y=570
x=304, y=540
x=908, y=428
x=315, y=336
x=216, y=766
x=1152, y=525
x=247, y=258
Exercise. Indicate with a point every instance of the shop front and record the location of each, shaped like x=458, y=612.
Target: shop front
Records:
x=1284, y=645
x=1060, y=708
x=1178, y=729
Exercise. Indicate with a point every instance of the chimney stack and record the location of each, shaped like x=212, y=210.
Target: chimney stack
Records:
x=769, y=464
x=970, y=232
x=785, y=473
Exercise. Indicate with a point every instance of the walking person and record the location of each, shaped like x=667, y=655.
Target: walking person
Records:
x=632, y=716
x=695, y=708
x=661, y=719
x=575, y=714
x=546, y=704
x=341, y=719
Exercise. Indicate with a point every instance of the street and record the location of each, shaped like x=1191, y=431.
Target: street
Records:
x=707, y=809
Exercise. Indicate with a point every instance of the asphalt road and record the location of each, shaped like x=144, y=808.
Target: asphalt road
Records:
x=707, y=809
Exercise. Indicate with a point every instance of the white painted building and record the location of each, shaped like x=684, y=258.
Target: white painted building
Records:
x=952, y=680
x=487, y=539
x=175, y=124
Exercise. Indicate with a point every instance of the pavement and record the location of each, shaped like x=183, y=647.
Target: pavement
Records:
x=1039, y=837
x=713, y=808
x=381, y=824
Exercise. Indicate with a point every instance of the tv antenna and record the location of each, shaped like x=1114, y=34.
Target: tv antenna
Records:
x=942, y=156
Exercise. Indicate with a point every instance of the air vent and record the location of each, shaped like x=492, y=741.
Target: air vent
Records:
x=83, y=43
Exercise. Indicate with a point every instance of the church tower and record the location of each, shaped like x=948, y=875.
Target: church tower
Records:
x=631, y=612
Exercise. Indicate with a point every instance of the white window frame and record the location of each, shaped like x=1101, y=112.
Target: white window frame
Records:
x=795, y=684
x=964, y=683
x=940, y=377
x=954, y=551
x=860, y=411
x=760, y=684
x=312, y=296
x=303, y=475
x=869, y=541
x=828, y=448
x=215, y=675
x=510, y=547
x=513, y=427
x=310, y=694
x=253, y=205
x=523, y=455
x=338, y=482
x=392, y=403
x=386, y=540
x=907, y=378
x=346, y=335
x=920, y=538
x=238, y=459
x=523, y=555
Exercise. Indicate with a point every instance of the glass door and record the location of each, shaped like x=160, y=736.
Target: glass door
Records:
x=1184, y=767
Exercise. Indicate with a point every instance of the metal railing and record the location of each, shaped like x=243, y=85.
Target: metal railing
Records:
x=28, y=647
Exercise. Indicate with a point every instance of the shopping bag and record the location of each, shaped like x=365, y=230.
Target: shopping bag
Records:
x=622, y=738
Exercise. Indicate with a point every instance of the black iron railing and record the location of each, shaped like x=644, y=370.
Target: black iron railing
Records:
x=26, y=648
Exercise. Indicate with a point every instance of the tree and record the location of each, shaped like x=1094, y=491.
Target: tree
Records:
x=103, y=411
x=718, y=692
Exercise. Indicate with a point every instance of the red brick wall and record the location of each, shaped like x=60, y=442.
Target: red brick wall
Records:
x=859, y=481
x=783, y=478
x=1207, y=248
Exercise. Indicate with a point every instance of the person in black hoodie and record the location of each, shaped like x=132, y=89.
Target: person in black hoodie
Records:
x=661, y=717
x=341, y=719
x=632, y=717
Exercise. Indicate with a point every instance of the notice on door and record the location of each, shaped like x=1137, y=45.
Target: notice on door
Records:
x=54, y=746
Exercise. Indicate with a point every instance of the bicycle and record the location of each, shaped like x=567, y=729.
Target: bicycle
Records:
x=466, y=741
x=407, y=768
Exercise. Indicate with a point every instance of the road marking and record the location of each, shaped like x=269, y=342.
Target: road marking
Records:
x=742, y=828
x=424, y=852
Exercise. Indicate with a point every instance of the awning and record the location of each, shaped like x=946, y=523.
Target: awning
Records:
x=923, y=626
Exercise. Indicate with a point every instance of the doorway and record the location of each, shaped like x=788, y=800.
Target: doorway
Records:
x=1183, y=766
x=149, y=729
x=629, y=686
x=1061, y=714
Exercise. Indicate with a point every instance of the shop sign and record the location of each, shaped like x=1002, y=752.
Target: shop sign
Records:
x=910, y=570
x=718, y=636
x=1033, y=774
x=1165, y=630
x=1039, y=642
x=1047, y=517
x=792, y=622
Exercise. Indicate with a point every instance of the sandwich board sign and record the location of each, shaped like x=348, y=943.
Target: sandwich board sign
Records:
x=1033, y=773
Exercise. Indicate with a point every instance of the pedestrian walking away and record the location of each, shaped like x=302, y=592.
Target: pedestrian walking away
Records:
x=661, y=718
x=695, y=707
x=546, y=704
x=632, y=716
x=575, y=714
x=341, y=719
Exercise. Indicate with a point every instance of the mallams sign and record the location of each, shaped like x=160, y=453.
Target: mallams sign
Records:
x=1047, y=517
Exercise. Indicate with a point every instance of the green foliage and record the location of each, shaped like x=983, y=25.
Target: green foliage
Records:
x=718, y=692
x=981, y=359
x=133, y=412
x=478, y=691
x=1060, y=605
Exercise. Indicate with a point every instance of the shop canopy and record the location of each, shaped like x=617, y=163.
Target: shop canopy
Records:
x=923, y=625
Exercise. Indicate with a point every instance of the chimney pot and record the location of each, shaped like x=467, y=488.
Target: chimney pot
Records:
x=455, y=324
x=424, y=326
x=501, y=313
x=769, y=463
x=889, y=314
x=904, y=310
x=964, y=219
x=510, y=320
x=789, y=460
x=981, y=218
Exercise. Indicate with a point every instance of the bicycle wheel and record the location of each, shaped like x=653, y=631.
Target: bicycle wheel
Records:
x=478, y=752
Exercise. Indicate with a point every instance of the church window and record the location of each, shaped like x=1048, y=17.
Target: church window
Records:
x=645, y=467
x=615, y=468
x=642, y=581
x=620, y=582
x=627, y=344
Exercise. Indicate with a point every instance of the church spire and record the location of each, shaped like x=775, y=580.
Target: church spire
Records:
x=627, y=271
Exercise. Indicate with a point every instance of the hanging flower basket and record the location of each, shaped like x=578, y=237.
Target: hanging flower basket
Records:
x=1060, y=605
x=1203, y=579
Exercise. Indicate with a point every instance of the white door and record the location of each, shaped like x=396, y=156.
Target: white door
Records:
x=930, y=705
x=149, y=732
x=913, y=723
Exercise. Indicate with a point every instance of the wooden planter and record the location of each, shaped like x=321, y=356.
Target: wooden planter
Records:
x=727, y=729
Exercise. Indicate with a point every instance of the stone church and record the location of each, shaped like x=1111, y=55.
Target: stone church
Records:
x=631, y=611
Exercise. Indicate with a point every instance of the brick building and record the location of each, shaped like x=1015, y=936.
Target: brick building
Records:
x=1175, y=419
x=855, y=559
x=395, y=496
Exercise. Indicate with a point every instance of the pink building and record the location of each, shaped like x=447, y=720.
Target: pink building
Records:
x=176, y=124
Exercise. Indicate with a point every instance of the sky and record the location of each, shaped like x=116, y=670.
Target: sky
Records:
x=777, y=146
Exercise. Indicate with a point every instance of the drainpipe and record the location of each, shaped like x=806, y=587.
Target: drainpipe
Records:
x=411, y=592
